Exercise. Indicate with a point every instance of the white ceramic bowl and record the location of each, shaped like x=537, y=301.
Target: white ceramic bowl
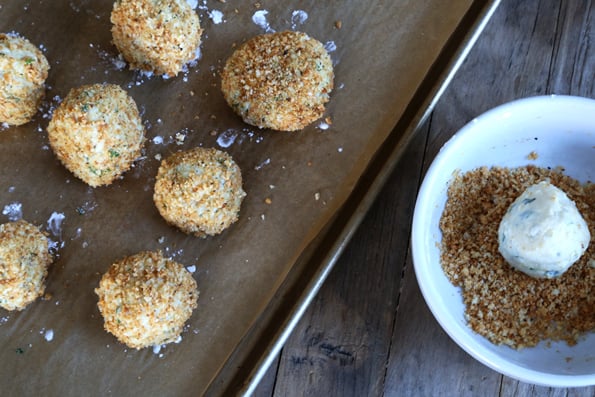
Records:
x=561, y=130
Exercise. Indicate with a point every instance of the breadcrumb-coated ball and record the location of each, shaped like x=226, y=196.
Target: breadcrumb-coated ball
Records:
x=159, y=36
x=23, y=71
x=279, y=80
x=199, y=191
x=145, y=299
x=97, y=133
x=24, y=260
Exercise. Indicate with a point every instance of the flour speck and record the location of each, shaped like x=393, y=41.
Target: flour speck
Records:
x=260, y=19
x=14, y=211
x=298, y=17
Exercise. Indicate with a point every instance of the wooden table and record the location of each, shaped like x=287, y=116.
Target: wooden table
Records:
x=369, y=331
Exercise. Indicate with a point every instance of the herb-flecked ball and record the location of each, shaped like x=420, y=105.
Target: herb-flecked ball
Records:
x=199, y=191
x=97, y=133
x=145, y=299
x=23, y=71
x=24, y=260
x=280, y=81
x=159, y=36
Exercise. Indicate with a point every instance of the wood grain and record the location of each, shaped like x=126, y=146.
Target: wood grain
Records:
x=369, y=331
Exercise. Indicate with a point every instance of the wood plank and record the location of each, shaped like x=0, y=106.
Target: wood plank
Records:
x=342, y=351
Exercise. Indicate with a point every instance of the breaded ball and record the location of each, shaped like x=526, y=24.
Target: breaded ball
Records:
x=145, y=299
x=24, y=260
x=97, y=133
x=23, y=70
x=199, y=191
x=159, y=36
x=278, y=80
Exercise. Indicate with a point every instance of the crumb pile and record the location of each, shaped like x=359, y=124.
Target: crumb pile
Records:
x=280, y=80
x=23, y=71
x=199, y=191
x=158, y=36
x=145, y=299
x=503, y=304
x=97, y=133
x=24, y=260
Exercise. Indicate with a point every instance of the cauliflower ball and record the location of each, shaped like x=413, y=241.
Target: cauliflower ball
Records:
x=199, y=191
x=97, y=133
x=145, y=299
x=542, y=233
x=278, y=80
x=23, y=71
x=24, y=260
x=159, y=36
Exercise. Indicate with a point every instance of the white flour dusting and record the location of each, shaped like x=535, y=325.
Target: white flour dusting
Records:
x=330, y=46
x=216, y=16
x=192, y=3
x=265, y=162
x=14, y=211
x=323, y=125
x=298, y=17
x=49, y=335
x=227, y=138
x=260, y=19
x=55, y=224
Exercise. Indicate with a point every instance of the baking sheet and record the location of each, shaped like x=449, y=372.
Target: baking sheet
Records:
x=296, y=182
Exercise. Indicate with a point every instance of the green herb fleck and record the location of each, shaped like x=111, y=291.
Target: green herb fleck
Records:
x=29, y=61
x=19, y=350
x=113, y=153
x=85, y=107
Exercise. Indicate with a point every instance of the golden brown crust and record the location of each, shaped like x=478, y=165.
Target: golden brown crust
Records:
x=280, y=80
x=97, y=133
x=24, y=260
x=145, y=299
x=160, y=36
x=23, y=71
x=504, y=305
x=199, y=191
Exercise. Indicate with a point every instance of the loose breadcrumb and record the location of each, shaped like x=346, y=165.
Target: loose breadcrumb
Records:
x=279, y=80
x=24, y=260
x=23, y=71
x=502, y=304
x=199, y=191
x=145, y=299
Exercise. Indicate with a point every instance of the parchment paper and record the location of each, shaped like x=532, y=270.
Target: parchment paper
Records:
x=295, y=181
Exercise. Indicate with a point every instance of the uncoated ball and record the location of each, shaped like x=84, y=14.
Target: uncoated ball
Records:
x=199, y=191
x=278, y=80
x=159, y=36
x=145, y=299
x=23, y=71
x=24, y=259
x=97, y=133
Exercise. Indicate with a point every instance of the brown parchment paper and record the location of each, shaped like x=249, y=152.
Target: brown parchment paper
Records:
x=295, y=181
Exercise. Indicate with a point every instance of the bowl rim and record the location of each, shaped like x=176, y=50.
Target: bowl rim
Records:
x=422, y=205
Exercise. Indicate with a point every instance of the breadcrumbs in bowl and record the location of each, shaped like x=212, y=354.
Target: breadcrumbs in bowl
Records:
x=539, y=331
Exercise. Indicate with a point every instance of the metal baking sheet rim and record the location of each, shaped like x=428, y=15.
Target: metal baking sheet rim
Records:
x=252, y=357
